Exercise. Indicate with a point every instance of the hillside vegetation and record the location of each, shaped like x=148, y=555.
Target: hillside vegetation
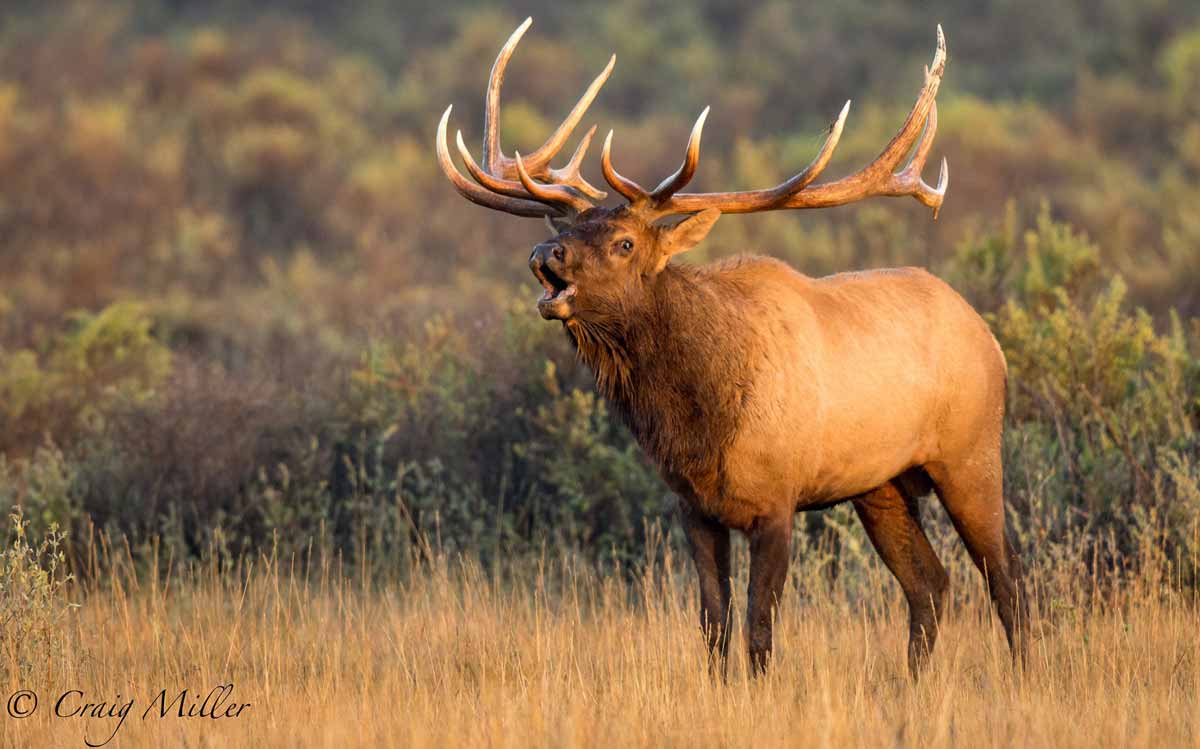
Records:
x=240, y=307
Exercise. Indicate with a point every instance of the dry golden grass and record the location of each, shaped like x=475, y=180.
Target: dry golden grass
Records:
x=556, y=655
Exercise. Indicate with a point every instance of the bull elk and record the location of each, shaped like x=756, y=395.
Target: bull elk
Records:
x=759, y=391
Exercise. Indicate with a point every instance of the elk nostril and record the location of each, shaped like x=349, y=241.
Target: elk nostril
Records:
x=544, y=251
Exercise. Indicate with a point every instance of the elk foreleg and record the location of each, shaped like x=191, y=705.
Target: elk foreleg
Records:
x=770, y=551
x=709, y=541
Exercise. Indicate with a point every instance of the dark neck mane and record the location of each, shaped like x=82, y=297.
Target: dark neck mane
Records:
x=672, y=368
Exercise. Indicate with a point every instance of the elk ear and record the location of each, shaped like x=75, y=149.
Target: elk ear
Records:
x=690, y=232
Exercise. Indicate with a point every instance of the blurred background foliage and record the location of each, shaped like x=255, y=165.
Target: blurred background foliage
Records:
x=241, y=307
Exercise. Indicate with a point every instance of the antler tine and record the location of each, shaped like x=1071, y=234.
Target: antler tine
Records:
x=630, y=190
x=561, y=194
x=491, y=101
x=910, y=177
x=540, y=158
x=558, y=193
x=503, y=186
x=480, y=195
x=903, y=140
x=933, y=196
x=687, y=169
x=536, y=163
x=570, y=174
x=635, y=193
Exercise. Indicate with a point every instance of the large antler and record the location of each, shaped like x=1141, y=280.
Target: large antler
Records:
x=877, y=178
x=512, y=184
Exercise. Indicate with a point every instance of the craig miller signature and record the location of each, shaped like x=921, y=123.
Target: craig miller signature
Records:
x=217, y=704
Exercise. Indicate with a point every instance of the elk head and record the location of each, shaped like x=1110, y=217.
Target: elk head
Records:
x=601, y=262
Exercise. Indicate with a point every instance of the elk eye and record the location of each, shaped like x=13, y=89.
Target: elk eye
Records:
x=627, y=245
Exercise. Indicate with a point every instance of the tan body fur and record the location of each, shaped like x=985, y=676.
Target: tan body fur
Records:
x=856, y=378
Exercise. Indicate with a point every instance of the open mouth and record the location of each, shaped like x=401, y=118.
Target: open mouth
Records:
x=557, y=289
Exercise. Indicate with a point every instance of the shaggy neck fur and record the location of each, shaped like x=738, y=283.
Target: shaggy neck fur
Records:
x=672, y=370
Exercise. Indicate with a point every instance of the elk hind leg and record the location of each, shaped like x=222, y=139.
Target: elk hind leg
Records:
x=971, y=490
x=892, y=521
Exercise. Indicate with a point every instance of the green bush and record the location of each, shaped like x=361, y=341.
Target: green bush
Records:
x=33, y=606
x=1103, y=408
x=100, y=361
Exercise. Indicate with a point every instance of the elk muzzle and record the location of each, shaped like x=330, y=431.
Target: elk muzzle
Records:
x=547, y=263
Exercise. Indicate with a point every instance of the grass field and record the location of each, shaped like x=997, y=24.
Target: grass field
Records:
x=555, y=654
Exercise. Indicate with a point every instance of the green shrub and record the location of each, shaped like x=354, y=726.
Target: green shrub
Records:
x=100, y=360
x=490, y=448
x=33, y=585
x=1103, y=416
